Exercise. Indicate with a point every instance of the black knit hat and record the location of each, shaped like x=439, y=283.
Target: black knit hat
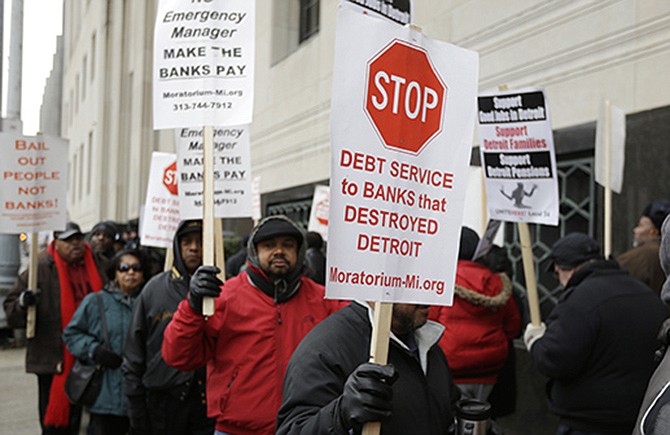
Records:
x=277, y=227
x=107, y=227
x=657, y=211
x=469, y=242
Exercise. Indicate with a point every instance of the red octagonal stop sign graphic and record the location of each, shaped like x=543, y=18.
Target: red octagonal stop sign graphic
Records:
x=170, y=178
x=404, y=97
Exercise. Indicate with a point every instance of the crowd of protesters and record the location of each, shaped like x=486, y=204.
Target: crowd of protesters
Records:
x=276, y=357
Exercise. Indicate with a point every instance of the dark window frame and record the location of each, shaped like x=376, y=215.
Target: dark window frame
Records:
x=309, y=19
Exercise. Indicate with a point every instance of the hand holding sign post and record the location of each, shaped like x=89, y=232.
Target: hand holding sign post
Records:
x=203, y=77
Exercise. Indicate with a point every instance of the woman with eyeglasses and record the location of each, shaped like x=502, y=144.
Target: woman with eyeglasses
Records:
x=84, y=338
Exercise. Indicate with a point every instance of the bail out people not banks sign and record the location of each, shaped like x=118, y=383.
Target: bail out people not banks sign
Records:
x=232, y=172
x=203, y=63
x=517, y=155
x=33, y=191
x=402, y=117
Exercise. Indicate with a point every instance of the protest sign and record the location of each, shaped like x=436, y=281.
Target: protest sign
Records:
x=33, y=192
x=396, y=11
x=616, y=131
x=232, y=172
x=318, y=215
x=161, y=209
x=203, y=63
x=402, y=116
x=517, y=155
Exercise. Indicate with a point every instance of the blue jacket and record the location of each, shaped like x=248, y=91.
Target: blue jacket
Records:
x=84, y=334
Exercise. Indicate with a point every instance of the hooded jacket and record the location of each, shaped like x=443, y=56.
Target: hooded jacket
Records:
x=483, y=318
x=424, y=394
x=143, y=366
x=248, y=341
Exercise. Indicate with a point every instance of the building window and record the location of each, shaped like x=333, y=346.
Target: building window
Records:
x=81, y=171
x=309, y=18
x=76, y=94
x=92, y=56
x=89, y=162
x=83, y=78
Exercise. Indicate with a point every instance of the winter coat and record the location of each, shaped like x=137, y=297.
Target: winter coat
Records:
x=144, y=369
x=423, y=395
x=44, y=352
x=246, y=344
x=598, y=348
x=479, y=325
x=642, y=263
x=84, y=334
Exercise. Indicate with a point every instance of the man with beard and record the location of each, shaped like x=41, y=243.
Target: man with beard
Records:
x=330, y=388
x=163, y=400
x=102, y=239
x=260, y=317
x=66, y=273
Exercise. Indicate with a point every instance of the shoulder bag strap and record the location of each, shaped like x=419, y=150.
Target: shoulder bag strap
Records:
x=105, y=334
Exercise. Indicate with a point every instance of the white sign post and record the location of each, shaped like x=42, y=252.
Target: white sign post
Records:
x=203, y=77
x=402, y=115
x=519, y=167
x=33, y=194
x=610, y=156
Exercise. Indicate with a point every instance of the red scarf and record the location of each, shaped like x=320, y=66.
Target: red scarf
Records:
x=58, y=410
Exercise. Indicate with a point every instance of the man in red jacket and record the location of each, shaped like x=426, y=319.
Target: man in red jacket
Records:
x=261, y=315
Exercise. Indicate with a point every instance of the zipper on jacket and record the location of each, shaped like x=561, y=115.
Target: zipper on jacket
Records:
x=279, y=320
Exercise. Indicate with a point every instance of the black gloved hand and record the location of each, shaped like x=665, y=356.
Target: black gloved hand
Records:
x=367, y=395
x=204, y=283
x=28, y=298
x=107, y=358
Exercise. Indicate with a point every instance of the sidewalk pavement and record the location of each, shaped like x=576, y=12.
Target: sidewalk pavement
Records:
x=18, y=395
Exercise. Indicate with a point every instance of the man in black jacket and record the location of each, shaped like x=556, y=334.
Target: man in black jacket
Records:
x=598, y=344
x=163, y=400
x=330, y=388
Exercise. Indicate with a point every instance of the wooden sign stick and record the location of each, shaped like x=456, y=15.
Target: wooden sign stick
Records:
x=219, y=251
x=379, y=348
x=31, y=315
x=208, y=209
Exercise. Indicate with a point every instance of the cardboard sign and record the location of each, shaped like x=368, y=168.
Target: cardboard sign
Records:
x=617, y=138
x=232, y=172
x=518, y=158
x=203, y=63
x=402, y=117
x=396, y=11
x=161, y=210
x=33, y=191
x=318, y=215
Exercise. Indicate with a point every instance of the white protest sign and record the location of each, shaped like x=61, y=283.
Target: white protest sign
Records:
x=318, y=215
x=517, y=155
x=33, y=191
x=402, y=116
x=161, y=210
x=203, y=63
x=232, y=172
x=397, y=11
x=617, y=147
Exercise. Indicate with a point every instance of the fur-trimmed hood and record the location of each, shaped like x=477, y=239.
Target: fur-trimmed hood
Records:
x=479, y=286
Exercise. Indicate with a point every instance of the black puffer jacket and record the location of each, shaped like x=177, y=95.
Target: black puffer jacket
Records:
x=599, y=347
x=322, y=362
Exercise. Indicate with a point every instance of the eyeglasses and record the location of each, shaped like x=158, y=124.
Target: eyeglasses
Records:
x=125, y=267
